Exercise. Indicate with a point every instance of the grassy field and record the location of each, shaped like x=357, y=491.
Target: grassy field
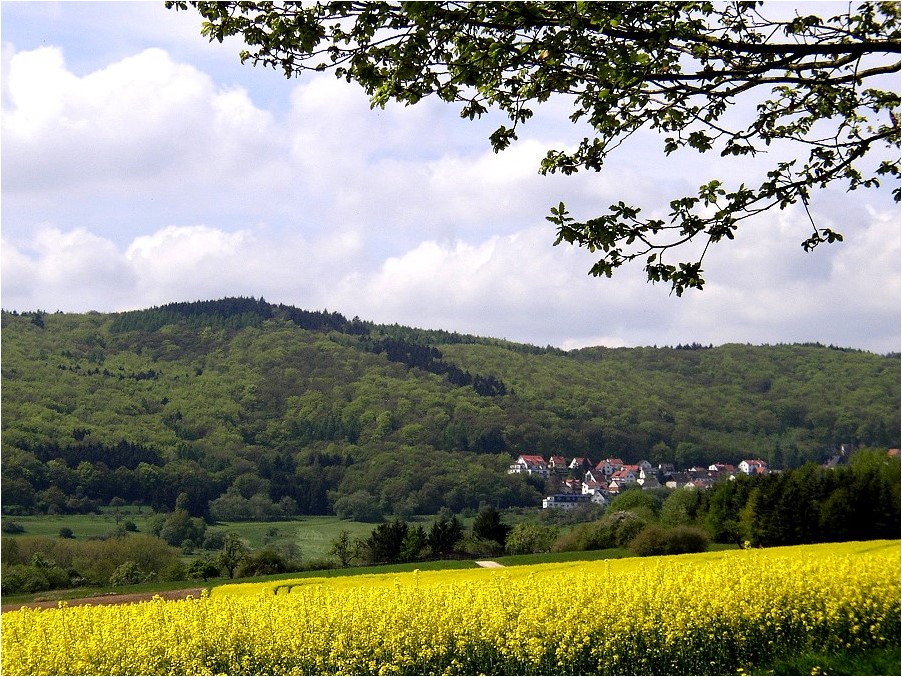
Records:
x=83, y=526
x=312, y=536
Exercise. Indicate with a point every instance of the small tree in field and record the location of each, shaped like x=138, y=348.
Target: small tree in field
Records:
x=343, y=548
x=233, y=553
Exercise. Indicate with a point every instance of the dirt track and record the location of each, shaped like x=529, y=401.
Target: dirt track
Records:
x=108, y=599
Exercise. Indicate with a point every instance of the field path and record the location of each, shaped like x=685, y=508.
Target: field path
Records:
x=488, y=564
x=108, y=599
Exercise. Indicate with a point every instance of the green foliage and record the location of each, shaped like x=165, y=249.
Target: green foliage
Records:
x=361, y=506
x=527, y=539
x=812, y=504
x=343, y=548
x=128, y=573
x=386, y=542
x=488, y=526
x=178, y=527
x=263, y=563
x=842, y=661
x=46, y=563
x=444, y=535
x=233, y=553
x=202, y=568
x=234, y=419
x=659, y=540
x=816, y=97
x=636, y=501
x=615, y=530
x=682, y=507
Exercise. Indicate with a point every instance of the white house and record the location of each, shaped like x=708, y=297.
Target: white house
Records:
x=529, y=464
x=565, y=501
x=625, y=476
x=609, y=466
x=753, y=467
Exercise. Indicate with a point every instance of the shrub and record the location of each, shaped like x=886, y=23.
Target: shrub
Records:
x=658, y=540
x=18, y=578
x=526, y=539
x=479, y=547
x=688, y=539
x=10, y=527
x=95, y=559
x=262, y=563
x=202, y=568
x=614, y=530
x=33, y=580
x=214, y=540
x=66, y=532
x=651, y=542
x=127, y=573
x=637, y=501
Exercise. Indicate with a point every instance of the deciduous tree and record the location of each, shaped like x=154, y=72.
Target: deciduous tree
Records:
x=816, y=92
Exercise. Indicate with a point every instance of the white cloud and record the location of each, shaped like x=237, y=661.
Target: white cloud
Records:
x=112, y=158
x=140, y=125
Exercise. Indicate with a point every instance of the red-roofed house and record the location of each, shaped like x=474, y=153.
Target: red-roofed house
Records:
x=573, y=486
x=529, y=464
x=755, y=467
x=624, y=476
x=722, y=467
x=580, y=463
x=557, y=464
x=609, y=466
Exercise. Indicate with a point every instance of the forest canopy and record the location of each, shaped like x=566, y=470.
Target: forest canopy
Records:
x=255, y=410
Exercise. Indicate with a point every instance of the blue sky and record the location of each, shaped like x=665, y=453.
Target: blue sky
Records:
x=143, y=165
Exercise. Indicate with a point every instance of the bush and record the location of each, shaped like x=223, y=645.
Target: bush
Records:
x=526, y=539
x=66, y=532
x=203, y=568
x=614, y=530
x=479, y=547
x=10, y=527
x=95, y=559
x=263, y=563
x=637, y=501
x=658, y=540
x=20, y=578
x=360, y=506
x=214, y=540
x=127, y=573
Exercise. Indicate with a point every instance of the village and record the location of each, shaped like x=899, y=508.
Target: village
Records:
x=583, y=481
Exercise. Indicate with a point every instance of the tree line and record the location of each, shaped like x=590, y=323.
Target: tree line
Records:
x=812, y=504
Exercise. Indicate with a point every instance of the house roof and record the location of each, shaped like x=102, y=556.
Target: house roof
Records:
x=722, y=467
x=531, y=458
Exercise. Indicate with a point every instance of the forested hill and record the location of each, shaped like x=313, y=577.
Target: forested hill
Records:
x=246, y=405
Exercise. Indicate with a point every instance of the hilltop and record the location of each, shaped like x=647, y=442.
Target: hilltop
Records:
x=245, y=405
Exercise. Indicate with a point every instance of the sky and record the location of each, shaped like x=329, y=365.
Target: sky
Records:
x=143, y=165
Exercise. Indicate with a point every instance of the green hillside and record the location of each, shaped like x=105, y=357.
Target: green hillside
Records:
x=261, y=410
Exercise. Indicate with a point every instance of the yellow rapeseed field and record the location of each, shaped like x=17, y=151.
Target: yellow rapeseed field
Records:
x=715, y=613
